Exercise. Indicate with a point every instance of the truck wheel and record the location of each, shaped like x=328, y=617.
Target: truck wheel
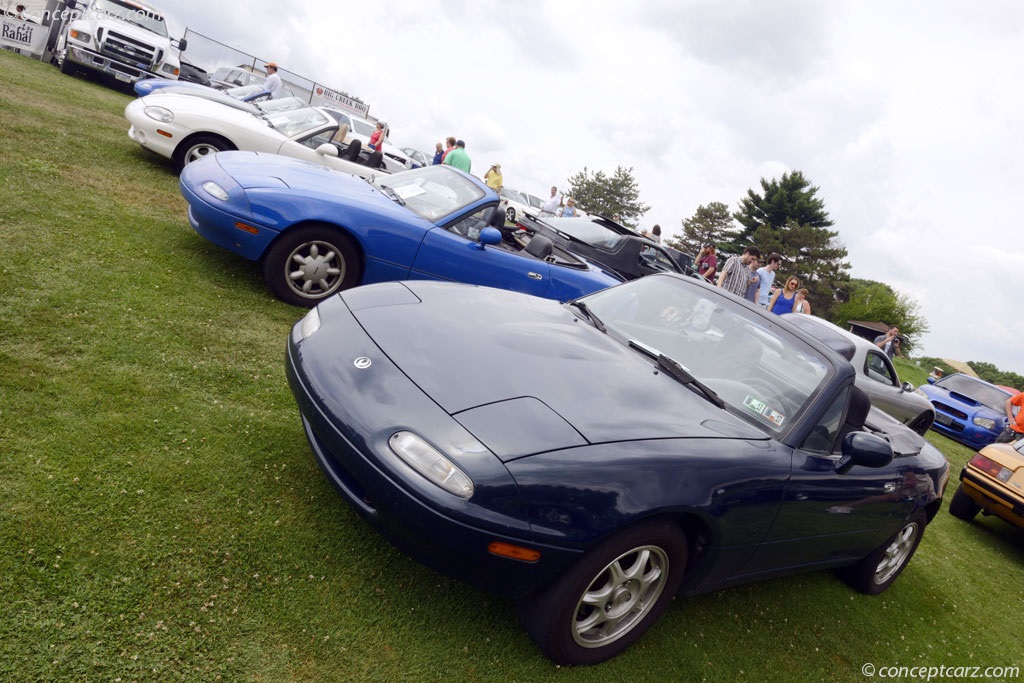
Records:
x=67, y=67
x=308, y=264
x=198, y=147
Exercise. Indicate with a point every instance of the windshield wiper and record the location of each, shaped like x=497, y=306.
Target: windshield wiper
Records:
x=683, y=375
x=393, y=195
x=591, y=316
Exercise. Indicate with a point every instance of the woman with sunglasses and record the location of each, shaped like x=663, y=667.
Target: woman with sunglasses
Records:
x=783, y=300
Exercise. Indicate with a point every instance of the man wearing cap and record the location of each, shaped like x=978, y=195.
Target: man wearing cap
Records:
x=273, y=82
x=493, y=177
x=458, y=157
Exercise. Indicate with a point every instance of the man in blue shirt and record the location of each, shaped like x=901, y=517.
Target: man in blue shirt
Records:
x=765, y=278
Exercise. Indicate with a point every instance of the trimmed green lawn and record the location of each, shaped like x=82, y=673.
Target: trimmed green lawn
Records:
x=162, y=518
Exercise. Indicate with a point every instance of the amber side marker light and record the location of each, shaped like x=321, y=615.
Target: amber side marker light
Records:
x=247, y=228
x=164, y=133
x=513, y=552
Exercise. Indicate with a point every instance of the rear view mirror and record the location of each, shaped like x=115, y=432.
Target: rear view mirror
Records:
x=865, y=450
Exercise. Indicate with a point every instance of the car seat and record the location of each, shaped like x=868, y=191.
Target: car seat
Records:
x=540, y=247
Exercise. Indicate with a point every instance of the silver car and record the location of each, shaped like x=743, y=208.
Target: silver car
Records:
x=875, y=372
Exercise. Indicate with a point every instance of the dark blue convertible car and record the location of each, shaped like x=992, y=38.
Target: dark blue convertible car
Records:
x=592, y=459
x=318, y=231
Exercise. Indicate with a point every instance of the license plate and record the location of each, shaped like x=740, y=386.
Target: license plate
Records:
x=123, y=77
x=943, y=420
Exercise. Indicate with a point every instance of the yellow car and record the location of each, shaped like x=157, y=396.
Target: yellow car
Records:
x=993, y=483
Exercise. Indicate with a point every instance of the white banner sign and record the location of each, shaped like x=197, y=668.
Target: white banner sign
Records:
x=25, y=35
x=338, y=98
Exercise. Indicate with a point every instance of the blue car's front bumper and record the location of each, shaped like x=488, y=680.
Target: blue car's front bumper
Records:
x=963, y=430
x=227, y=223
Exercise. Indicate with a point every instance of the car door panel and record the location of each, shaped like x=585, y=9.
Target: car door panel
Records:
x=826, y=516
x=445, y=255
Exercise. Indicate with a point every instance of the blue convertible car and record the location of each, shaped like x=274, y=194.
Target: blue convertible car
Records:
x=593, y=459
x=318, y=231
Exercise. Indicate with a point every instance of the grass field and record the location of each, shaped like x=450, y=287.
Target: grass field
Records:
x=162, y=518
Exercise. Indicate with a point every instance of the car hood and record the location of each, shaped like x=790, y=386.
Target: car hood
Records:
x=962, y=402
x=255, y=170
x=529, y=375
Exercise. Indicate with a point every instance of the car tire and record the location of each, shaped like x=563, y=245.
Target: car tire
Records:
x=67, y=67
x=195, y=148
x=510, y=215
x=310, y=263
x=876, y=572
x=922, y=423
x=963, y=506
x=610, y=597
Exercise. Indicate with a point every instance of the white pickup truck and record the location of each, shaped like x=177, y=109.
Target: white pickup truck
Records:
x=120, y=38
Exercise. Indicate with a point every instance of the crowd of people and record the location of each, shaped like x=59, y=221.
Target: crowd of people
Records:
x=753, y=278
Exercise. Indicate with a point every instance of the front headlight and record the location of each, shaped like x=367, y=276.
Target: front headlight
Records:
x=161, y=114
x=215, y=190
x=169, y=69
x=984, y=422
x=81, y=36
x=310, y=323
x=434, y=466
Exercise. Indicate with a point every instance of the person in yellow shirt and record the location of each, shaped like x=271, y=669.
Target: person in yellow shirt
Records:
x=493, y=177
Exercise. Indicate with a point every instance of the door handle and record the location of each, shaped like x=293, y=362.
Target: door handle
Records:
x=534, y=276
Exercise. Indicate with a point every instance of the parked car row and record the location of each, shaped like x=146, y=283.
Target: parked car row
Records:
x=666, y=438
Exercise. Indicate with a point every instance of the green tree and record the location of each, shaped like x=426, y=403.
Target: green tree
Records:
x=789, y=219
x=878, y=302
x=790, y=199
x=708, y=225
x=608, y=195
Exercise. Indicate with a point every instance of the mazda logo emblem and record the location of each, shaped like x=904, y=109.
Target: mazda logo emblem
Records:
x=362, y=362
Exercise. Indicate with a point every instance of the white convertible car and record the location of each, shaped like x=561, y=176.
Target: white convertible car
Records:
x=184, y=128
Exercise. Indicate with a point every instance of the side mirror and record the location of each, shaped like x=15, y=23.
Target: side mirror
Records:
x=931, y=380
x=181, y=44
x=907, y=387
x=865, y=450
x=489, y=236
x=327, y=150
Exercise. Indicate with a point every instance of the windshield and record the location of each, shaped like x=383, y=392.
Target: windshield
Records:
x=242, y=91
x=296, y=122
x=586, y=231
x=759, y=370
x=514, y=196
x=983, y=393
x=363, y=127
x=283, y=104
x=133, y=14
x=433, y=192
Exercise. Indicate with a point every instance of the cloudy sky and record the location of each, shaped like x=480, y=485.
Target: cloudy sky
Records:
x=906, y=115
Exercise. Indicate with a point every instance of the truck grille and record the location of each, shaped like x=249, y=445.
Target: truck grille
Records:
x=126, y=49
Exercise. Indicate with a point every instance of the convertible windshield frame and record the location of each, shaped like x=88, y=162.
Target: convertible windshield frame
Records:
x=760, y=369
x=435, y=193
